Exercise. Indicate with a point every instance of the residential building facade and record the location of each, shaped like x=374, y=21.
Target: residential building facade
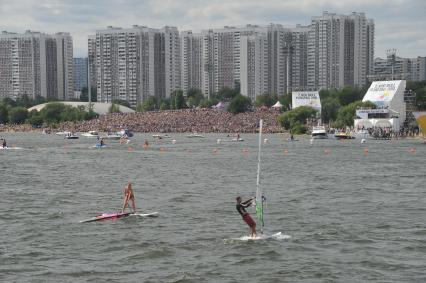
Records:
x=36, y=64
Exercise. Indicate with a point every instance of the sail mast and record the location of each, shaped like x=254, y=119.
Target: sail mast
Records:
x=259, y=193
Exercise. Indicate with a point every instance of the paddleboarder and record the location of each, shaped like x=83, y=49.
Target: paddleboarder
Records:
x=241, y=208
x=128, y=195
x=4, y=144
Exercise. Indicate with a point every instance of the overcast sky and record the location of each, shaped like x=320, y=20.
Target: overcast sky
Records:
x=400, y=24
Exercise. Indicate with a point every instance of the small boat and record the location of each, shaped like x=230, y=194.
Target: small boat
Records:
x=319, y=132
x=63, y=133
x=125, y=132
x=195, y=135
x=237, y=140
x=71, y=137
x=343, y=136
x=91, y=134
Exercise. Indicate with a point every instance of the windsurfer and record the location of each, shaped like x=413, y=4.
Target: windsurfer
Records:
x=128, y=195
x=241, y=208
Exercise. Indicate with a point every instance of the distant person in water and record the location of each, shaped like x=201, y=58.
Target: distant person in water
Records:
x=102, y=142
x=128, y=195
x=241, y=208
x=4, y=144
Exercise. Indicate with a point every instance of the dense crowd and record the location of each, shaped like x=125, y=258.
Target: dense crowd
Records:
x=177, y=121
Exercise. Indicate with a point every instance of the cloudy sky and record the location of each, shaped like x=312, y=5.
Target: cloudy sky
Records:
x=400, y=24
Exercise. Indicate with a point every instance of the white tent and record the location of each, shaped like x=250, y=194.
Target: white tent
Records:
x=277, y=105
x=382, y=123
x=363, y=123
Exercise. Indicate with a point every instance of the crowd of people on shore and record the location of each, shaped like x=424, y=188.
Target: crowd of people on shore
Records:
x=173, y=121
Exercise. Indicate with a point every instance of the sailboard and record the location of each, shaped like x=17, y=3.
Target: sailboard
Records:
x=107, y=216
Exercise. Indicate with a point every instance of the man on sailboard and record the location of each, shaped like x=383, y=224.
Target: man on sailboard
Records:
x=241, y=208
x=128, y=195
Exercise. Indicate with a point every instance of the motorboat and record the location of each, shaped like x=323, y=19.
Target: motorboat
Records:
x=319, y=132
x=125, y=132
x=343, y=136
x=91, y=134
x=195, y=135
x=71, y=136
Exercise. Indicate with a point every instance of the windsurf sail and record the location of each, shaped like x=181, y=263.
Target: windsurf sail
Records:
x=259, y=193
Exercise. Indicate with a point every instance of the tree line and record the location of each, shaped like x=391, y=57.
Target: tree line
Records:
x=12, y=112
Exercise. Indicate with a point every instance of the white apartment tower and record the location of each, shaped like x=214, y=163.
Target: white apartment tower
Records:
x=172, y=51
x=340, y=50
x=134, y=63
x=191, y=56
x=36, y=64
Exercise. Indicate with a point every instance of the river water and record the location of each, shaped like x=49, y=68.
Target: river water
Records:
x=355, y=212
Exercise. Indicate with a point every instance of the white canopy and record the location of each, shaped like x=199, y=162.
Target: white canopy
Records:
x=277, y=105
x=382, y=123
x=363, y=123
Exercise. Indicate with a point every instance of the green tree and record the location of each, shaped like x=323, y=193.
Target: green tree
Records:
x=114, y=108
x=207, y=103
x=148, y=104
x=349, y=94
x=25, y=101
x=329, y=108
x=4, y=114
x=239, y=104
x=17, y=115
x=285, y=100
x=194, y=97
x=9, y=102
x=296, y=118
x=177, y=100
x=51, y=113
x=226, y=94
x=165, y=104
x=346, y=114
x=265, y=100
x=34, y=118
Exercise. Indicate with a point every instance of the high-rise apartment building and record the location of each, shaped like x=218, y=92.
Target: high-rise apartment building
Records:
x=80, y=73
x=91, y=61
x=36, y=64
x=397, y=68
x=191, y=56
x=340, y=50
x=134, y=63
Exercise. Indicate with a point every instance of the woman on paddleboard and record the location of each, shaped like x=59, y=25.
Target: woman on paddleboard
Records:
x=128, y=195
x=241, y=208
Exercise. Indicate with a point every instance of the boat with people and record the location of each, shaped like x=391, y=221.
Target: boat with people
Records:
x=91, y=134
x=195, y=135
x=319, y=132
x=343, y=136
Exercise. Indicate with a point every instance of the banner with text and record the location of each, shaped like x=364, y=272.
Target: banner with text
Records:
x=306, y=98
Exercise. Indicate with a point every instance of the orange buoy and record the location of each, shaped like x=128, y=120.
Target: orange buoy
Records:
x=285, y=151
x=327, y=151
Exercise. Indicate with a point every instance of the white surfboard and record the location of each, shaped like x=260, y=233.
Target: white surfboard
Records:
x=275, y=236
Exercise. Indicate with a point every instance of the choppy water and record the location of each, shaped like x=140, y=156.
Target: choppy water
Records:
x=352, y=217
